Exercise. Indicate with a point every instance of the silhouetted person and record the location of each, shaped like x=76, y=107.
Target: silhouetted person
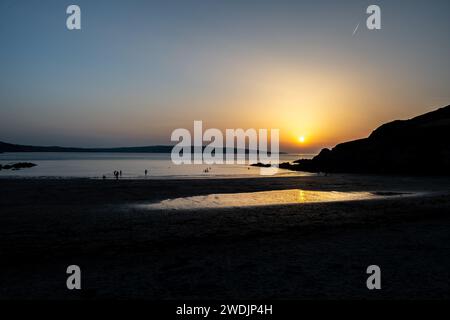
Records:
x=145, y=172
x=120, y=172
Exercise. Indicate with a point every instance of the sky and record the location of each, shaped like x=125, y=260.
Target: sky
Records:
x=137, y=70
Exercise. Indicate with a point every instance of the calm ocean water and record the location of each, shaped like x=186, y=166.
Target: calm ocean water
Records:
x=95, y=165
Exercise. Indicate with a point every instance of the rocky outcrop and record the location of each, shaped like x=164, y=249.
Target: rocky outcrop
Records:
x=17, y=166
x=416, y=146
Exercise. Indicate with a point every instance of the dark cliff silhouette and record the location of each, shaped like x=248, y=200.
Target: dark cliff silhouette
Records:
x=416, y=146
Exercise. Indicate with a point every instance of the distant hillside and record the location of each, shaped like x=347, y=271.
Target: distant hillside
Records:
x=416, y=146
x=8, y=147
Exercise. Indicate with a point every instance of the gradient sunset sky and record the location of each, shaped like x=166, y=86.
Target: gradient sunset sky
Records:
x=139, y=69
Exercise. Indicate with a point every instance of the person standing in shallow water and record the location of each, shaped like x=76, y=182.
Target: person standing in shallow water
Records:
x=145, y=172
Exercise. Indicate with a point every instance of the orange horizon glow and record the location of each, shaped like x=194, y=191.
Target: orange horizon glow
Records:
x=296, y=68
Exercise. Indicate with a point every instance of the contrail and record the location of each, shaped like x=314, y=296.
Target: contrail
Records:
x=356, y=29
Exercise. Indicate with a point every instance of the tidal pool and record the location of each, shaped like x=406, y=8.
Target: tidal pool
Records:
x=264, y=198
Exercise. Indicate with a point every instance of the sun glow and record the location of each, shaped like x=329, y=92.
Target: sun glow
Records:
x=301, y=139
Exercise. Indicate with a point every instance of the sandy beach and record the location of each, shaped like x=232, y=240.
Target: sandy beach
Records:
x=298, y=251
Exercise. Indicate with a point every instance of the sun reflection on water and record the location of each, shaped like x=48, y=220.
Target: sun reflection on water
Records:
x=276, y=197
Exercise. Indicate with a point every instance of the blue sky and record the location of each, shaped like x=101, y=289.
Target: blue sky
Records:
x=139, y=69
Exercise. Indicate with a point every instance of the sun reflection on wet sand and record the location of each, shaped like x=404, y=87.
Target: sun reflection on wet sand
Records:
x=250, y=199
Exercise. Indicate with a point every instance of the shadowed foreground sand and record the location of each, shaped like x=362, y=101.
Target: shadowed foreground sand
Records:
x=307, y=251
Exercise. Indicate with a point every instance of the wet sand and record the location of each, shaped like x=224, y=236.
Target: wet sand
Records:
x=292, y=251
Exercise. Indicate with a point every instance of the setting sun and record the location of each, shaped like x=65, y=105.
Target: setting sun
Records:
x=301, y=139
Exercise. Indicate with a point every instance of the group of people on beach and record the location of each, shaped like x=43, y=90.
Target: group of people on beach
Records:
x=118, y=173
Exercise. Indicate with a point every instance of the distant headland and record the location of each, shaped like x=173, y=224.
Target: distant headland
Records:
x=8, y=147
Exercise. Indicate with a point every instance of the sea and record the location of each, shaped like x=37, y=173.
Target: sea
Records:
x=133, y=165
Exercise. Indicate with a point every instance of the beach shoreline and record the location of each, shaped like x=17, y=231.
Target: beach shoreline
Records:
x=295, y=251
